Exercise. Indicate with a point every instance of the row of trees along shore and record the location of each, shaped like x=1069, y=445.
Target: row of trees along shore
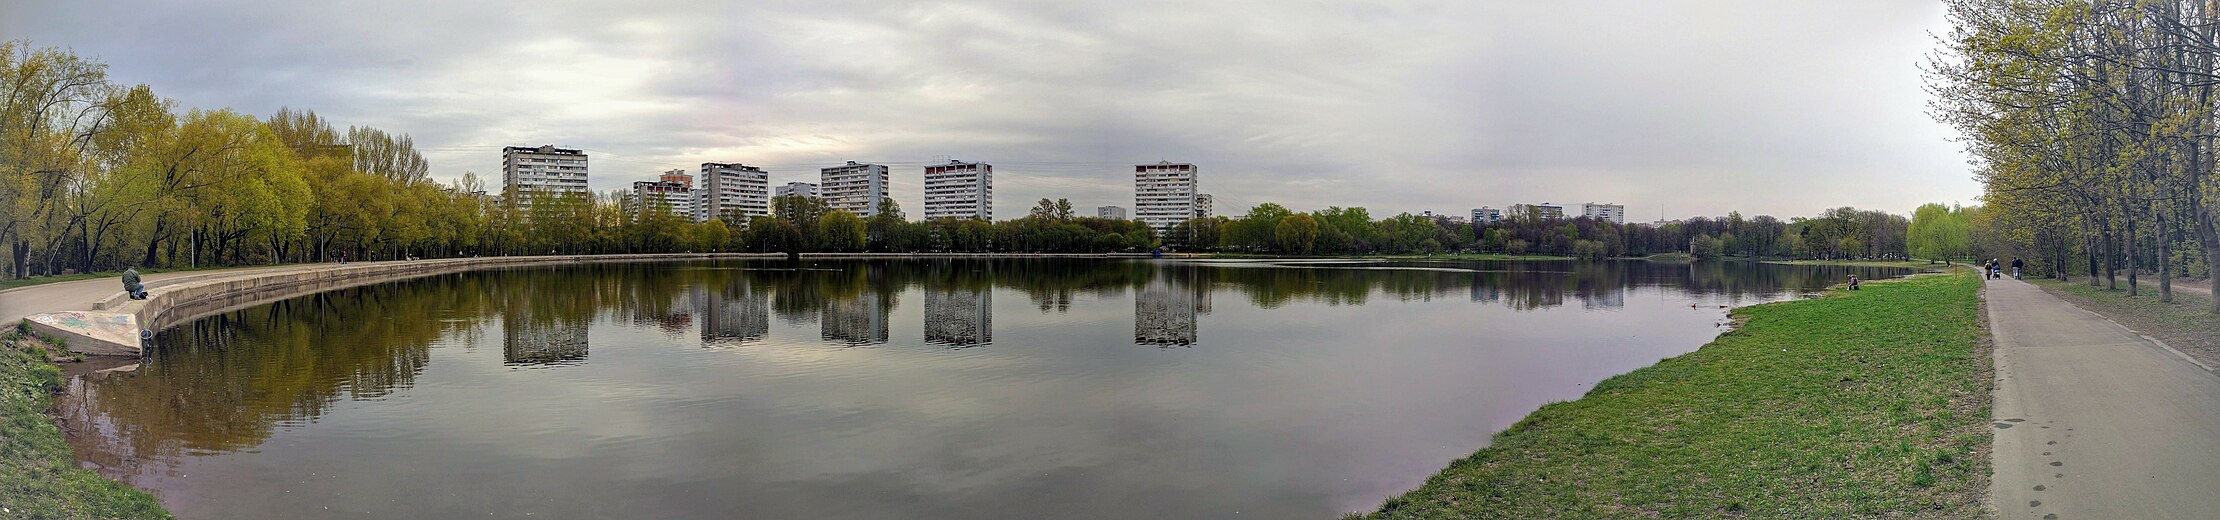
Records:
x=1270, y=228
x=96, y=176
x=2091, y=125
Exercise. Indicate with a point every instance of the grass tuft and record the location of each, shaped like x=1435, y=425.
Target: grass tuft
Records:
x=2188, y=324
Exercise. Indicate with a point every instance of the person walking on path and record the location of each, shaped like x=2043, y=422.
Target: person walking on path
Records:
x=2016, y=265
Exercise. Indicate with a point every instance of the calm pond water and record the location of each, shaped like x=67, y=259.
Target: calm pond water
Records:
x=884, y=389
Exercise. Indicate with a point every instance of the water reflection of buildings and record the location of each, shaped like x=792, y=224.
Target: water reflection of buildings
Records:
x=855, y=321
x=960, y=317
x=540, y=336
x=735, y=313
x=1164, y=309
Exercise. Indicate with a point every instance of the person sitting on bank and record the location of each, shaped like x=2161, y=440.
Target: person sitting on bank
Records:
x=1853, y=282
x=131, y=283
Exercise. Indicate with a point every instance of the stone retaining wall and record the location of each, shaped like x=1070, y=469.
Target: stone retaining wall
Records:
x=180, y=300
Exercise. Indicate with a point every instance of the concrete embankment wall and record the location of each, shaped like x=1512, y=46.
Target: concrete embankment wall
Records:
x=180, y=300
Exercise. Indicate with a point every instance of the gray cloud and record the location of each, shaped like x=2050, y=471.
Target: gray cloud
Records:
x=1673, y=109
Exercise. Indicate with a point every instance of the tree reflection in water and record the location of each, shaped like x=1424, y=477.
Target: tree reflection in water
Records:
x=227, y=382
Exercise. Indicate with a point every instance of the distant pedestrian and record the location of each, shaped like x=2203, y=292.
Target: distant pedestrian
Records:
x=1853, y=282
x=2016, y=265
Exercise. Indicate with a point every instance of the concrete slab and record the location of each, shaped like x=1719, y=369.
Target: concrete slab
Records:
x=87, y=332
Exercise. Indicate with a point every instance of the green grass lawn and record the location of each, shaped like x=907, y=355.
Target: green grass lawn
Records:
x=1865, y=403
x=2188, y=324
x=38, y=477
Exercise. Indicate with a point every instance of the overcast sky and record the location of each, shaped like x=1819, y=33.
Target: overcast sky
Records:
x=1671, y=108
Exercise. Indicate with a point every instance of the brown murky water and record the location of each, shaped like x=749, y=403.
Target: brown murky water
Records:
x=897, y=389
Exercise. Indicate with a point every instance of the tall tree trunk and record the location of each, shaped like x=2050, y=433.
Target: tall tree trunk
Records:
x=2208, y=237
x=2089, y=252
x=22, y=255
x=152, y=243
x=2111, y=259
x=2165, y=262
x=2133, y=251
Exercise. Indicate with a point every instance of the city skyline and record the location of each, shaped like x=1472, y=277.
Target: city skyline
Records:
x=1394, y=108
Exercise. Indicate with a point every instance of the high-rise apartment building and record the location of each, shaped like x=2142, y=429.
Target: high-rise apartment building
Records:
x=1110, y=212
x=527, y=171
x=733, y=191
x=854, y=187
x=671, y=197
x=1611, y=212
x=798, y=188
x=1203, y=203
x=1163, y=194
x=960, y=190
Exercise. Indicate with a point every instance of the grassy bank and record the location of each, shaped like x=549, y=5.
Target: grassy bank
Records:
x=38, y=477
x=2188, y=324
x=1866, y=403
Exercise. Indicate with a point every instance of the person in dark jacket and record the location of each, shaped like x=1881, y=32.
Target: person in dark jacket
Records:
x=131, y=283
x=2016, y=265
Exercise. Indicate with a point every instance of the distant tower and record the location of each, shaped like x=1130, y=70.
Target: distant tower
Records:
x=1611, y=212
x=733, y=190
x=529, y=170
x=1164, y=194
x=798, y=188
x=855, y=187
x=959, y=189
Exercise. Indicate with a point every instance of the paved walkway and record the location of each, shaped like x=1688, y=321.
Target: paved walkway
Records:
x=2094, y=421
x=80, y=295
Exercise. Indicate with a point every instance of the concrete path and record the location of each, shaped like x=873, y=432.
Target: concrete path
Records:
x=2094, y=421
x=80, y=295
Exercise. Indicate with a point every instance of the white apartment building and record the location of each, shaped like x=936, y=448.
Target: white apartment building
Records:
x=1545, y=211
x=798, y=188
x=672, y=197
x=526, y=170
x=732, y=191
x=857, y=188
x=1611, y=212
x=1110, y=212
x=1164, y=194
x=960, y=190
x=1486, y=215
x=1203, y=203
